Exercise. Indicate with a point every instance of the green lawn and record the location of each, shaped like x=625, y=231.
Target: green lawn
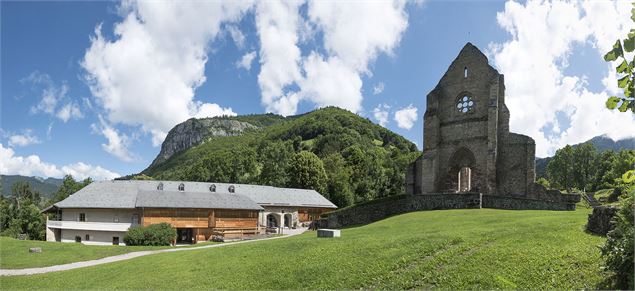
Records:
x=449, y=249
x=14, y=254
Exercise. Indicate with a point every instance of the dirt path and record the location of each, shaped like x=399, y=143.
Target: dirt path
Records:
x=128, y=256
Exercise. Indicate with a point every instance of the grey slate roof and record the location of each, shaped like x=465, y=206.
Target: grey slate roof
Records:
x=134, y=193
x=103, y=194
x=176, y=199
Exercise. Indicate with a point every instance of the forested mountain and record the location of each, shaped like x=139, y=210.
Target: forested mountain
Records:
x=344, y=156
x=46, y=187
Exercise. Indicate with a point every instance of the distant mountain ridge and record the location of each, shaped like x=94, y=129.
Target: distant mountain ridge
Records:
x=46, y=187
x=601, y=143
x=604, y=143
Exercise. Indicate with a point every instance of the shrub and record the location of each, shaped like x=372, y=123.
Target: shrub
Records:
x=618, y=250
x=161, y=234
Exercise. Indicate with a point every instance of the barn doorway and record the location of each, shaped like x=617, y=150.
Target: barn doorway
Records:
x=183, y=235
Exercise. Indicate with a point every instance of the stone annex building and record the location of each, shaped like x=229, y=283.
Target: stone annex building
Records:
x=467, y=143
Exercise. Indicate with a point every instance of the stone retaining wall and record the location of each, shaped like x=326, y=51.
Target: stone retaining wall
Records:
x=600, y=220
x=519, y=203
x=380, y=209
x=374, y=211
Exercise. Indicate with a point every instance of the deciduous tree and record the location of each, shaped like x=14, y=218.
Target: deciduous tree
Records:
x=307, y=172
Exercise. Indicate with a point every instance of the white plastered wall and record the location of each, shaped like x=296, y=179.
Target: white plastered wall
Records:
x=100, y=215
x=95, y=237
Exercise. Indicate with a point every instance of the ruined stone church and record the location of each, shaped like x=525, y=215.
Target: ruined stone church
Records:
x=467, y=143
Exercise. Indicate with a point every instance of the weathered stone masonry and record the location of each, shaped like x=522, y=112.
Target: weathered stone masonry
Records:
x=467, y=143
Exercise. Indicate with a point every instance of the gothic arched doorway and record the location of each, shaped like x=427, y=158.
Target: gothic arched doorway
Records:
x=461, y=170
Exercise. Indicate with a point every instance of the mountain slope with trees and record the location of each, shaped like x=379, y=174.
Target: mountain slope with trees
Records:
x=346, y=157
x=46, y=187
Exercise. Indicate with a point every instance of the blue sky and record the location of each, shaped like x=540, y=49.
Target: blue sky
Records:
x=91, y=88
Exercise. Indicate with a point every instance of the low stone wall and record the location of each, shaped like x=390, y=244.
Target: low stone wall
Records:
x=519, y=203
x=380, y=209
x=600, y=220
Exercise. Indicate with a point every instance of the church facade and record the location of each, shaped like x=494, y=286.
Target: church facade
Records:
x=467, y=143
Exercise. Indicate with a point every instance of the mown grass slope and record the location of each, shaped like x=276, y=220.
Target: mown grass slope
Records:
x=451, y=249
x=14, y=254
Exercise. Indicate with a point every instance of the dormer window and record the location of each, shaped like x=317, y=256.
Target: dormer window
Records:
x=181, y=187
x=160, y=187
x=232, y=189
x=212, y=188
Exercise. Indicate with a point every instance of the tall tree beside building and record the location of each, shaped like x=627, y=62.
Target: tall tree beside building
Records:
x=276, y=159
x=584, y=157
x=307, y=172
x=339, y=175
x=560, y=168
x=21, y=215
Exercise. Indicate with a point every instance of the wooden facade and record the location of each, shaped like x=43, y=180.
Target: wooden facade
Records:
x=205, y=222
x=310, y=214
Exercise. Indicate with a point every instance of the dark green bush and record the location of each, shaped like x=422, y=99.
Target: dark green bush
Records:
x=161, y=234
x=618, y=250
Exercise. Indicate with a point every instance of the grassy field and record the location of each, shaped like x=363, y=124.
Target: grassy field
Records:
x=450, y=249
x=14, y=254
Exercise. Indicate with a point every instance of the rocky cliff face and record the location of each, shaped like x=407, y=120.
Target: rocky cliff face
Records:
x=194, y=132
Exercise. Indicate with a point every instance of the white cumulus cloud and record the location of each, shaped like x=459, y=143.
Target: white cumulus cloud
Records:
x=146, y=76
x=378, y=88
x=277, y=23
x=246, y=60
x=54, y=99
x=354, y=34
x=237, y=36
x=534, y=61
x=406, y=117
x=380, y=113
x=32, y=165
x=68, y=111
x=117, y=144
x=24, y=139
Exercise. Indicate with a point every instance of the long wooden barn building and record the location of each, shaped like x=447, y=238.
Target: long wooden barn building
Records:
x=102, y=212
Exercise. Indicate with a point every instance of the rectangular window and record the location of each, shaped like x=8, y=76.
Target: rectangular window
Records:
x=82, y=217
x=87, y=237
x=135, y=219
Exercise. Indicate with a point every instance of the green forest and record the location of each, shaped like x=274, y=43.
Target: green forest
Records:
x=584, y=169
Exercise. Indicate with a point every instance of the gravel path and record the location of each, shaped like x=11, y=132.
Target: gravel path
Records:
x=128, y=256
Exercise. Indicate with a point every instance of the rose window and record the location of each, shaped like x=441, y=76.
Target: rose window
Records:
x=465, y=104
